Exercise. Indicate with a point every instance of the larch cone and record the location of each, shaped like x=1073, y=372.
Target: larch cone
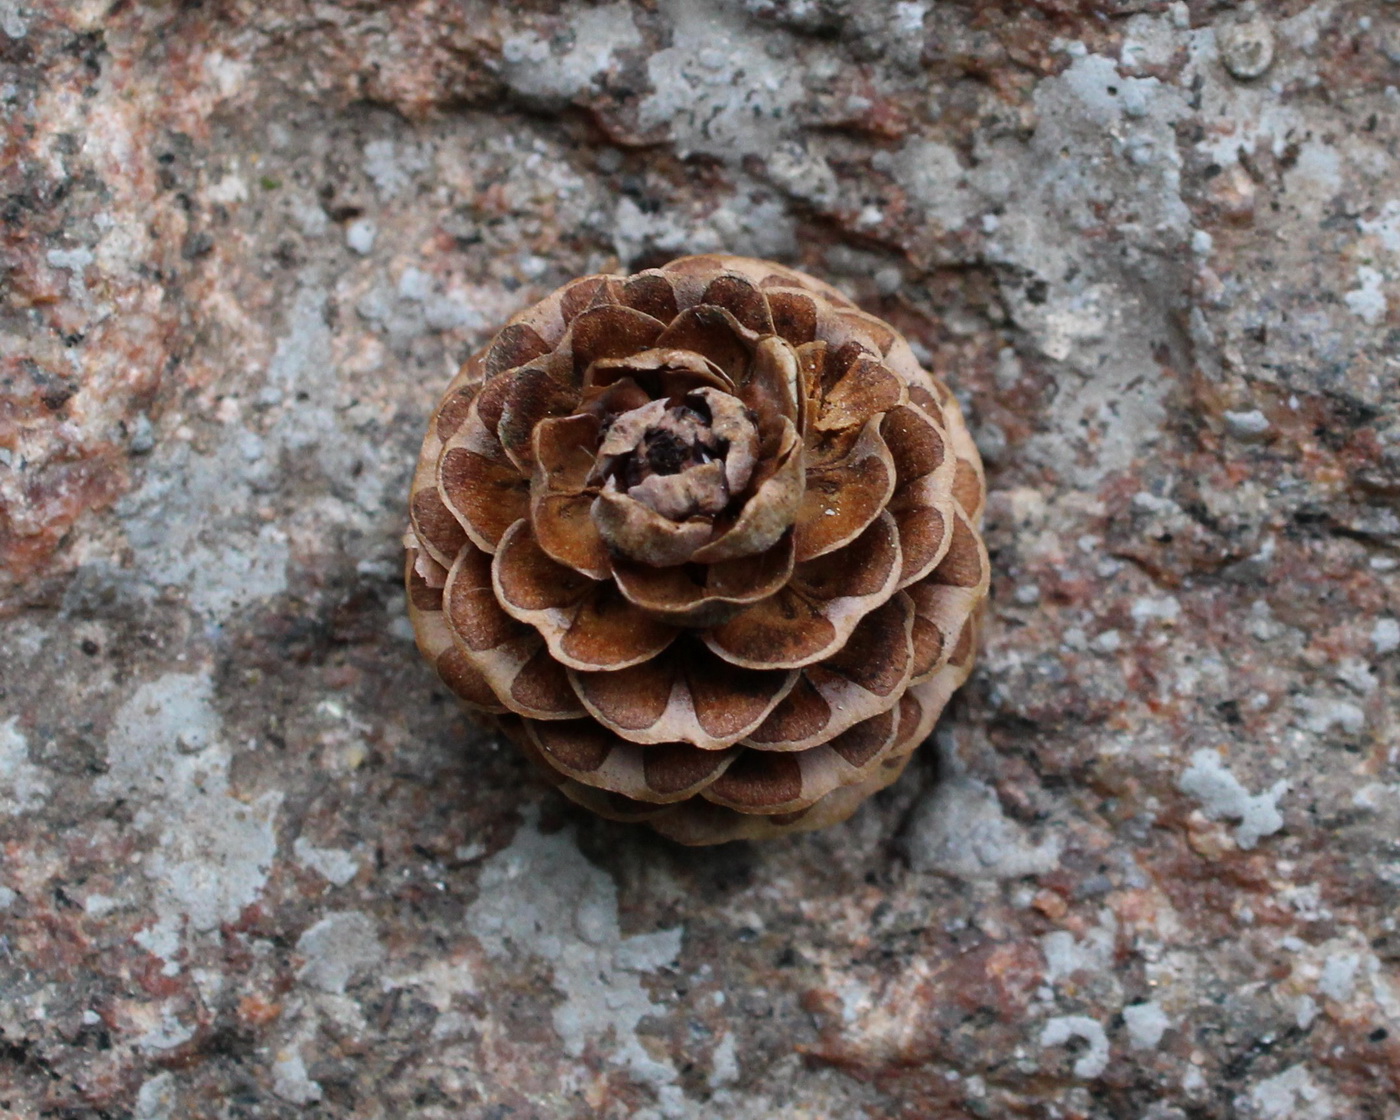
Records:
x=704, y=542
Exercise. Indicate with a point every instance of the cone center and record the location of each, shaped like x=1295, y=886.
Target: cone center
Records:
x=683, y=458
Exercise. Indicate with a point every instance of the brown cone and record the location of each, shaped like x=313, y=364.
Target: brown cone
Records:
x=703, y=541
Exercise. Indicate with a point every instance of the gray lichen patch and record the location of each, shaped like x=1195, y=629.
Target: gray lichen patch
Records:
x=167, y=755
x=540, y=897
x=1222, y=796
x=961, y=831
x=719, y=89
x=336, y=949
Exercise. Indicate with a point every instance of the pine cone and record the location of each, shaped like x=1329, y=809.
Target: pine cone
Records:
x=704, y=542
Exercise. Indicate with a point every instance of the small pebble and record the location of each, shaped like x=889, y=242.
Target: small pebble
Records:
x=1134, y=102
x=143, y=435
x=359, y=235
x=1247, y=426
x=1385, y=636
x=1246, y=47
x=1110, y=641
x=1140, y=152
x=415, y=284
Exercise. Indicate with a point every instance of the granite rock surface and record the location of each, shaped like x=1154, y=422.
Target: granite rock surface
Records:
x=254, y=863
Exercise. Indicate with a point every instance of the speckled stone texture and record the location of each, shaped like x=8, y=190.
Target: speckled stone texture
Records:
x=253, y=862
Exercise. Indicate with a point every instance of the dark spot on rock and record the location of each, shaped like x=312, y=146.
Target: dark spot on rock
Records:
x=197, y=245
x=54, y=389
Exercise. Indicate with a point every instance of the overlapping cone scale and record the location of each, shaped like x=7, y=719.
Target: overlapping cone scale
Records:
x=704, y=542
